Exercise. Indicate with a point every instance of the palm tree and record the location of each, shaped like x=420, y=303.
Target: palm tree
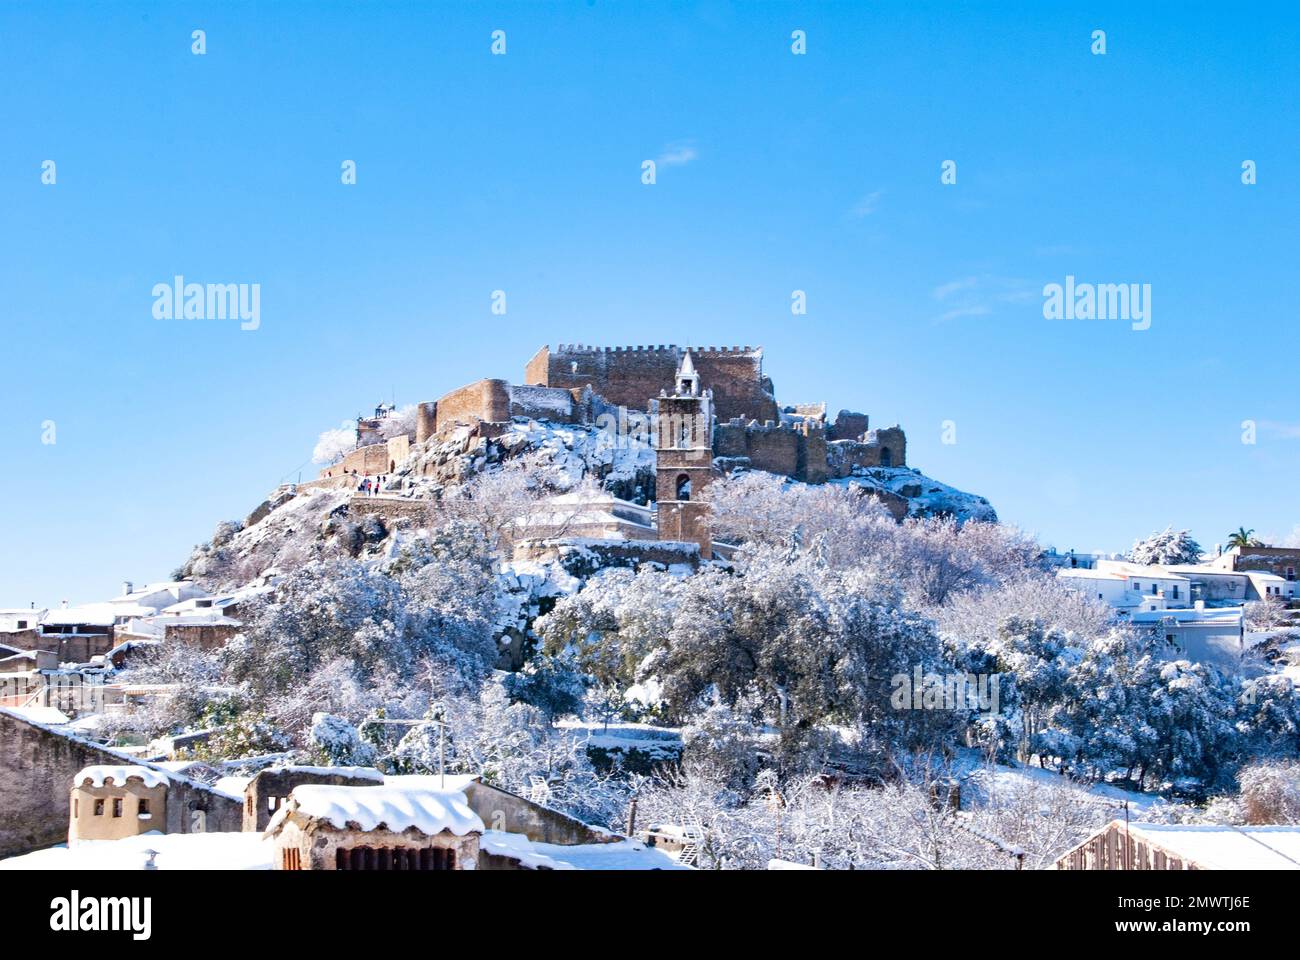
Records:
x=1242, y=538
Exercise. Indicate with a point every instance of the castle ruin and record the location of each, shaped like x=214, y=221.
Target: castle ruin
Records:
x=735, y=421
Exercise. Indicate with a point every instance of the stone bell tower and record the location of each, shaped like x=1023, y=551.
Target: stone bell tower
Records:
x=683, y=431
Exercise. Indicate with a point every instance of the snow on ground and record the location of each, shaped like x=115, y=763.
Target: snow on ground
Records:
x=249, y=851
x=662, y=741
x=1004, y=781
x=926, y=497
x=620, y=855
x=537, y=578
x=575, y=451
x=176, y=851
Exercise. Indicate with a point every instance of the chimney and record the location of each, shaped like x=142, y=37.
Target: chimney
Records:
x=127, y=587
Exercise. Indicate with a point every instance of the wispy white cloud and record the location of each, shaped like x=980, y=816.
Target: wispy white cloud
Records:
x=677, y=154
x=866, y=206
x=1281, y=429
x=956, y=313
x=946, y=290
x=979, y=296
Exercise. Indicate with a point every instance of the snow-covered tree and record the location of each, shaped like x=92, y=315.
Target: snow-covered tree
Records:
x=1270, y=792
x=1108, y=723
x=1169, y=546
x=1193, y=719
x=338, y=744
x=333, y=445
x=399, y=422
x=1033, y=664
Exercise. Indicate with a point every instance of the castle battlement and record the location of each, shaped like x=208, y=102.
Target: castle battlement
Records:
x=579, y=383
x=672, y=349
x=803, y=428
x=627, y=376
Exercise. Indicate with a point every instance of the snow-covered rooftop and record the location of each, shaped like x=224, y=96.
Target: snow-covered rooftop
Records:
x=395, y=808
x=97, y=775
x=619, y=855
x=1078, y=573
x=1224, y=847
x=356, y=773
x=1228, y=616
x=47, y=715
x=210, y=619
x=99, y=614
x=1153, y=571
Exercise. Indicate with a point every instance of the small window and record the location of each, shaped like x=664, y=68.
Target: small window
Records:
x=99, y=808
x=117, y=806
x=143, y=808
x=76, y=807
x=22, y=624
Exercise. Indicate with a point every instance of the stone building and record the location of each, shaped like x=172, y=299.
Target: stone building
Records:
x=20, y=628
x=1280, y=561
x=77, y=634
x=267, y=792
x=375, y=828
x=626, y=376
x=684, y=458
x=577, y=384
x=39, y=766
x=112, y=802
x=26, y=661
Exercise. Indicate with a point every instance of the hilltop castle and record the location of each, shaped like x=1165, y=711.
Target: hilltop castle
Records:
x=721, y=394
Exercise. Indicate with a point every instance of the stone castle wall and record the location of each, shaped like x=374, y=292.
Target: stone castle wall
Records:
x=579, y=384
x=482, y=400
x=879, y=446
x=791, y=450
x=848, y=426
x=631, y=376
x=36, y=770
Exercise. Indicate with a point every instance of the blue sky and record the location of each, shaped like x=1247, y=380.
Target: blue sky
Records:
x=522, y=173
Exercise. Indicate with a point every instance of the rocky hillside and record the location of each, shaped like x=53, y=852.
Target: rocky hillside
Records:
x=318, y=519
